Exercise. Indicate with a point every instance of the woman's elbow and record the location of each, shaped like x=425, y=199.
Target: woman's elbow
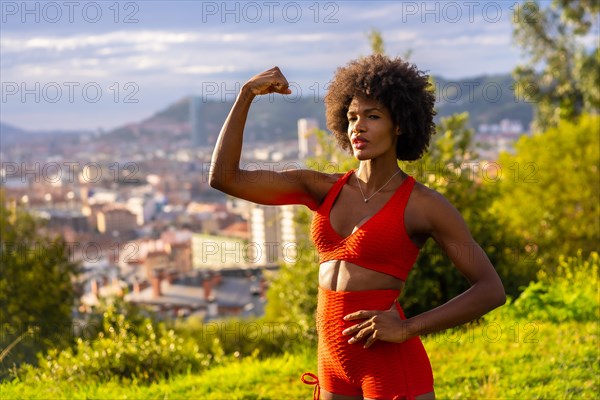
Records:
x=498, y=295
x=492, y=294
x=213, y=181
x=501, y=298
x=216, y=179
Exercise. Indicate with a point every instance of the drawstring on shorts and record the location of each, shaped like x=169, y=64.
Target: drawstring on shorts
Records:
x=314, y=381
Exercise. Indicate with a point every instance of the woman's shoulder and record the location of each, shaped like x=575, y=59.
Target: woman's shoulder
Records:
x=315, y=177
x=320, y=183
x=425, y=193
x=428, y=200
x=325, y=181
x=433, y=208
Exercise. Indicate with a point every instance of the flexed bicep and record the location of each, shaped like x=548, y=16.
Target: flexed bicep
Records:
x=264, y=186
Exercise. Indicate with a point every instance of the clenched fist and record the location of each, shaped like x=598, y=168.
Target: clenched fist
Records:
x=270, y=81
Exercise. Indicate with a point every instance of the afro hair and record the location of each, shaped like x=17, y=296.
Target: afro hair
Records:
x=397, y=85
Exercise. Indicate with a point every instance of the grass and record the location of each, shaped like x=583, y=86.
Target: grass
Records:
x=499, y=359
x=518, y=360
x=246, y=379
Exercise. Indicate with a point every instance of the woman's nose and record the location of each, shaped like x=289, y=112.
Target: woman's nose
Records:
x=359, y=126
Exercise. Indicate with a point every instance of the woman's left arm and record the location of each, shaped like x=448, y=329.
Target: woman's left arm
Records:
x=447, y=227
x=449, y=230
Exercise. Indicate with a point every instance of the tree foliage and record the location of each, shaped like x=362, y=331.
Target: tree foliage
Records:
x=36, y=287
x=376, y=41
x=562, y=76
x=552, y=298
x=125, y=349
x=550, y=189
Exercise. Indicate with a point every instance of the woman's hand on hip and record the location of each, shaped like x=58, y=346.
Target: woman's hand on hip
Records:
x=378, y=325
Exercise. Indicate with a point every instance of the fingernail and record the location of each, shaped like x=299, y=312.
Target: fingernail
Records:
x=345, y=332
x=351, y=340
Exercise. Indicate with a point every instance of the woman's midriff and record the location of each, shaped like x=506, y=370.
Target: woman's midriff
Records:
x=344, y=276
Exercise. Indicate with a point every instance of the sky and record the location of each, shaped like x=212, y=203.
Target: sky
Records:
x=100, y=64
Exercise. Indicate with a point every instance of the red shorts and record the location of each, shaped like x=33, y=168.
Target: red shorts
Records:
x=383, y=371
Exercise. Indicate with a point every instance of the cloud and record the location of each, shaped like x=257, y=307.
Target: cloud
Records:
x=204, y=69
x=145, y=40
x=469, y=40
x=123, y=54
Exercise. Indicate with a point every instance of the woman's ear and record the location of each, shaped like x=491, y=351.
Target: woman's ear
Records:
x=398, y=133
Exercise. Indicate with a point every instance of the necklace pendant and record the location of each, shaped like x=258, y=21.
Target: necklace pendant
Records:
x=378, y=190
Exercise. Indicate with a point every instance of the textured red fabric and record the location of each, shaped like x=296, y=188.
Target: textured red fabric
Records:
x=383, y=371
x=380, y=244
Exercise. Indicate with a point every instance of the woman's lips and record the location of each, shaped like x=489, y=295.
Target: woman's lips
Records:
x=359, y=143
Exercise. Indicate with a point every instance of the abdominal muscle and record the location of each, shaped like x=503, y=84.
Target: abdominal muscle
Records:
x=345, y=276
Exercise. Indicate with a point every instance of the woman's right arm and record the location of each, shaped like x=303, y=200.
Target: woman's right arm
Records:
x=269, y=187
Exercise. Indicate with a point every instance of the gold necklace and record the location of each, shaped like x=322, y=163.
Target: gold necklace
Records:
x=366, y=199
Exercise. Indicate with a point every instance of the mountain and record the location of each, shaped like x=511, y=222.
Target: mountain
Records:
x=10, y=130
x=9, y=134
x=488, y=99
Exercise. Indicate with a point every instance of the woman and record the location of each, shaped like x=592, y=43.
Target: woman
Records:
x=368, y=227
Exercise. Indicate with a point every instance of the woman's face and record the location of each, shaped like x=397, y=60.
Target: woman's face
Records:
x=371, y=130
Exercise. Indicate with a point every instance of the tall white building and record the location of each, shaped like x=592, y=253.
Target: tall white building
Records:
x=307, y=140
x=197, y=134
x=143, y=206
x=272, y=234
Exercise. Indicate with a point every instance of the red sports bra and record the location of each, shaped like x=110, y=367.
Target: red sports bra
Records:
x=380, y=244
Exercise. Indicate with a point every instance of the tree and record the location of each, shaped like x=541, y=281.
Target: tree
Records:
x=550, y=190
x=376, y=40
x=378, y=44
x=36, y=287
x=567, y=83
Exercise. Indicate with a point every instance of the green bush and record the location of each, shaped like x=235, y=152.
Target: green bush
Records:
x=568, y=294
x=257, y=337
x=143, y=353
x=36, y=287
x=131, y=347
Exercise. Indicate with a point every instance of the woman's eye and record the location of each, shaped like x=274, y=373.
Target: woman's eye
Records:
x=374, y=116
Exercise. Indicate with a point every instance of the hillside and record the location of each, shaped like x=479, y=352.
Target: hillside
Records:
x=487, y=99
